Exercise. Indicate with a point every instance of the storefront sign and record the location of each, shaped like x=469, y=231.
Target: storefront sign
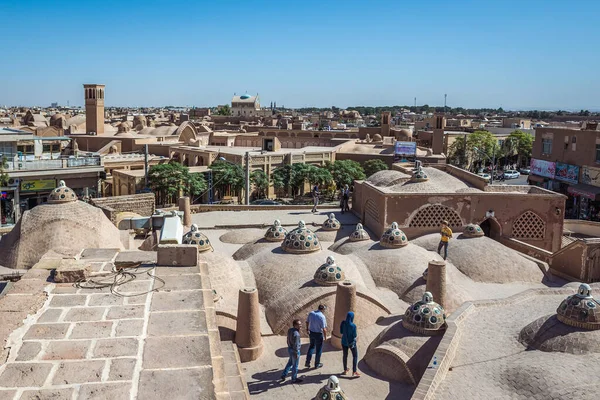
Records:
x=590, y=176
x=405, y=148
x=576, y=191
x=567, y=172
x=543, y=168
x=38, y=185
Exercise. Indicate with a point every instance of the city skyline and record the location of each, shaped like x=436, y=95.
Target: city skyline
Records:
x=518, y=57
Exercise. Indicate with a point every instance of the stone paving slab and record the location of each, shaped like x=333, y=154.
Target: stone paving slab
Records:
x=257, y=217
x=98, y=254
x=91, y=344
x=132, y=258
x=263, y=376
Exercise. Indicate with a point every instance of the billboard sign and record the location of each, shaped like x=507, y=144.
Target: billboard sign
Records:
x=406, y=149
x=543, y=168
x=590, y=175
x=37, y=185
x=567, y=172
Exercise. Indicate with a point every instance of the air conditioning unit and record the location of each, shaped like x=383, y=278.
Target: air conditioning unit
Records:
x=14, y=182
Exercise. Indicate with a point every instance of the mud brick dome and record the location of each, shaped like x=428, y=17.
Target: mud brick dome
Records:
x=62, y=194
x=331, y=224
x=359, y=234
x=64, y=225
x=580, y=310
x=393, y=237
x=332, y=390
x=329, y=273
x=473, y=230
x=426, y=317
x=276, y=233
x=194, y=236
x=301, y=240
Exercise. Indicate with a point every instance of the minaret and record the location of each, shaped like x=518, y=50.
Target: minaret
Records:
x=94, y=108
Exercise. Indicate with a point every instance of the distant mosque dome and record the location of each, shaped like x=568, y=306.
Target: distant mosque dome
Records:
x=245, y=96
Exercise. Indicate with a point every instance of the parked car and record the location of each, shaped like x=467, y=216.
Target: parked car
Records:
x=264, y=202
x=511, y=174
x=487, y=177
x=525, y=171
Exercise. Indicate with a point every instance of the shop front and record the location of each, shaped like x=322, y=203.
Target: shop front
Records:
x=583, y=202
x=34, y=192
x=542, y=174
x=576, y=206
x=7, y=206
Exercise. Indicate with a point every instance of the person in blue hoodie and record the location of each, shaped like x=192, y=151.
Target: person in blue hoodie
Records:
x=348, y=330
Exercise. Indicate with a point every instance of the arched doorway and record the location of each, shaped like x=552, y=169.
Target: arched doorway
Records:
x=491, y=228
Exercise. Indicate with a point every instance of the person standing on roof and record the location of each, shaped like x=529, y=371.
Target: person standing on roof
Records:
x=349, y=335
x=315, y=194
x=293, y=344
x=316, y=325
x=446, y=234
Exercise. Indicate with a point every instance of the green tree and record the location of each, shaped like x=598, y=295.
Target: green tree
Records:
x=228, y=178
x=374, y=165
x=172, y=179
x=481, y=145
x=318, y=175
x=3, y=175
x=298, y=175
x=194, y=185
x=457, y=153
x=280, y=178
x=260, y=180
x=344, y=172
x=520, y=143
x=224, y=110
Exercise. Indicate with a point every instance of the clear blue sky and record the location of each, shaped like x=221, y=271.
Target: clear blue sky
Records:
x=515, y=54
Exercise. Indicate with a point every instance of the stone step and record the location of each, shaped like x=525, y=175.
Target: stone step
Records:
x=236, y=384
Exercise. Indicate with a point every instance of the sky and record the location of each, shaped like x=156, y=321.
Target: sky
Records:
x=527, y=54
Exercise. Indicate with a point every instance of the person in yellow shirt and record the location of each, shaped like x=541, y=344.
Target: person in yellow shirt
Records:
x=446, y=233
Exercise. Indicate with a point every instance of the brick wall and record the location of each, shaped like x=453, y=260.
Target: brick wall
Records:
x=142, y=204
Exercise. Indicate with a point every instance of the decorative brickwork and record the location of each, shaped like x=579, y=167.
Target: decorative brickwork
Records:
x=142, y=204
x=529, y=226
x=431, y=217
x=372, y=211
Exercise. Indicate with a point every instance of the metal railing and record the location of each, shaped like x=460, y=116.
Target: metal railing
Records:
x=53, y=164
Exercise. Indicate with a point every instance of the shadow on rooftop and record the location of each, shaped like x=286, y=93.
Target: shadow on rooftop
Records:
x=283, y=353
x=398, y=390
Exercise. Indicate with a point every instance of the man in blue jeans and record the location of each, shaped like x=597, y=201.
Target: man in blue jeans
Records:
x=316, y=325
x=293, y=343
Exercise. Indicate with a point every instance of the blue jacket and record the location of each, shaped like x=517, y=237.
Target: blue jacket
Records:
x=348, y=330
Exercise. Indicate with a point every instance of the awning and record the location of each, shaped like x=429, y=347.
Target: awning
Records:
x=583, y=190
x=535, y=178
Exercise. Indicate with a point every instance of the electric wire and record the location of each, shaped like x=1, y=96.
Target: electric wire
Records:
x=117, y=278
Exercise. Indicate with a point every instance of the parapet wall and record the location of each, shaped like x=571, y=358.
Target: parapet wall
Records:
x=142, y=204
x=446, y=351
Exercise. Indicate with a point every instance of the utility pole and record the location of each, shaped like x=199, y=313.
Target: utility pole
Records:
x=415, y=102
x=247, y=178
x=445, y=96
x=145, y=166
x=493, y=163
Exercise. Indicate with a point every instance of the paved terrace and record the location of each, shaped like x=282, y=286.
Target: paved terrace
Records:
x=91, y=344
x=288, y=215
